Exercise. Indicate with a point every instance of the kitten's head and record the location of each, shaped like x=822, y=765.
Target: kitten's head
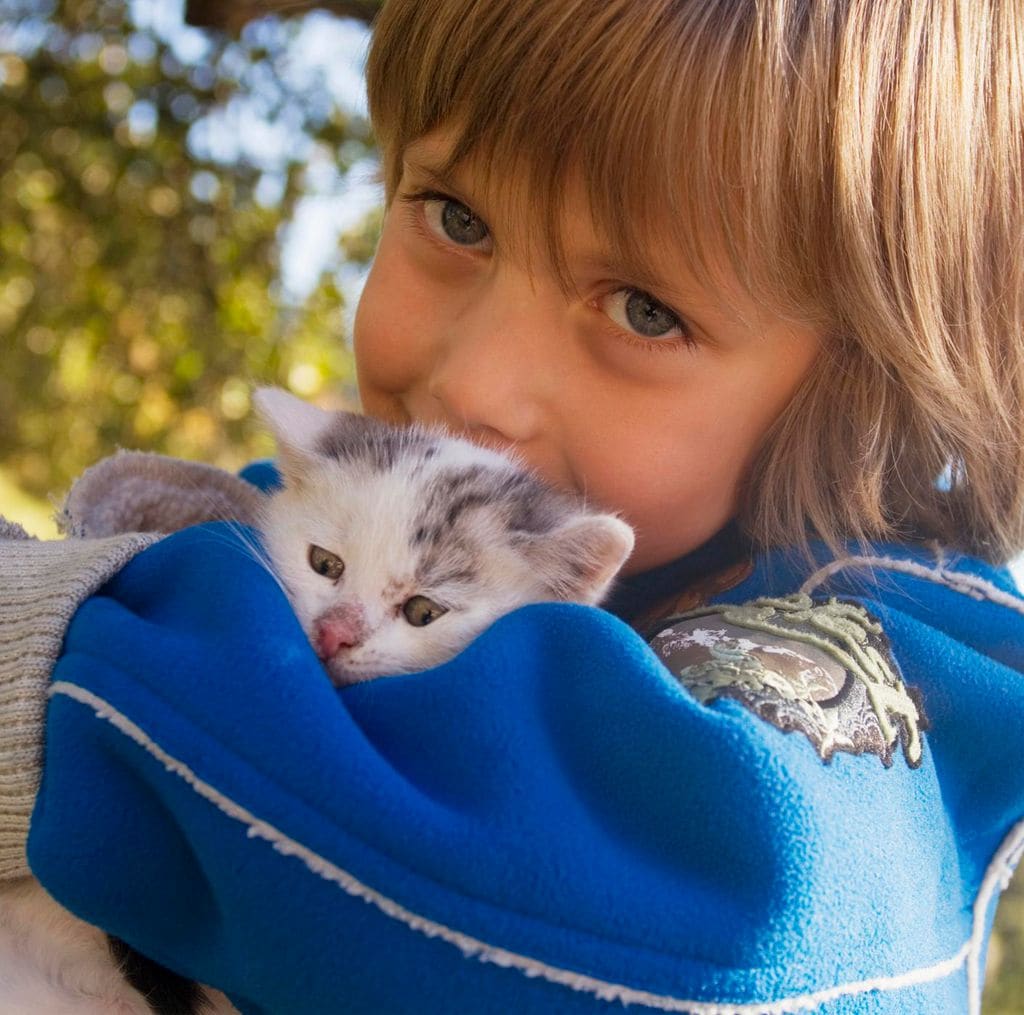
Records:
x=398, y=546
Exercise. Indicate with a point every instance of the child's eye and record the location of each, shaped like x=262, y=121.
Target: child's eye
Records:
x=637, y=311
x=453, y=221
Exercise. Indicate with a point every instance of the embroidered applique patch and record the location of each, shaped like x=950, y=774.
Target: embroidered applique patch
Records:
x=824, y=669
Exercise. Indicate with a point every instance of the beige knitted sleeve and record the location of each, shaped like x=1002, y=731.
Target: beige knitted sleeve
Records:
x=42, y=583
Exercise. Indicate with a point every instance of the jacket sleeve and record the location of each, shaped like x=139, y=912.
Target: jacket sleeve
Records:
x=41, y=586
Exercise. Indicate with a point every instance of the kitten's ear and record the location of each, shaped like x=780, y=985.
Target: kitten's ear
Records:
x=297, y=427
x=295, y=423
x=578, y=560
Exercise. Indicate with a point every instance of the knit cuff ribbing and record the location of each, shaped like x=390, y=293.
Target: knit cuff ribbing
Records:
x=42, y=584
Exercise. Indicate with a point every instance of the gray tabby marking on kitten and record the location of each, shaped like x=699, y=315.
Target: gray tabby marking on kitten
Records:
x=349, y=437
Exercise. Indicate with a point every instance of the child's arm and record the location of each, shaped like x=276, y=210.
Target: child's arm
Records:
x=41, y=586
x=109, y=513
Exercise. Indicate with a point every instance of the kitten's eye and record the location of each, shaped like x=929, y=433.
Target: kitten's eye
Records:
x=420, y=611
x=456, y=222
x=642, y=314
x=330, y=565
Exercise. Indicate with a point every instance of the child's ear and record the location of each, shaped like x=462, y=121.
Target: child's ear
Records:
x=579, y=559
x=297, y=427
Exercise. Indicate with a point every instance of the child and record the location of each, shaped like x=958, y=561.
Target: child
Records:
x=750, y=274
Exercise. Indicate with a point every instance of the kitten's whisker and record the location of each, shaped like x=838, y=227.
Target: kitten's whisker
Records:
x=256, y=551
x=216, y=513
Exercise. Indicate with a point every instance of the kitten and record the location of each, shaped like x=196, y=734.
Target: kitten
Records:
x=396, y=548
x=53, y=963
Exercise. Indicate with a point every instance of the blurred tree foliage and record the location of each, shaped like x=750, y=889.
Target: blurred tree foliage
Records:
x=139, y=277
x=1004, y=987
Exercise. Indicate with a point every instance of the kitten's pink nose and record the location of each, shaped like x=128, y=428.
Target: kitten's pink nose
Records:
x=342, y=627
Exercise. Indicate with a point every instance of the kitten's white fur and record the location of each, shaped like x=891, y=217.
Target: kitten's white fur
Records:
x=52, y=963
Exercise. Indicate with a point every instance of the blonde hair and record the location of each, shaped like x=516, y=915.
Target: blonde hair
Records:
x=859, y=163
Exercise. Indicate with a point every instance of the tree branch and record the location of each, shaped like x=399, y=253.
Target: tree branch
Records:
x=232, y=15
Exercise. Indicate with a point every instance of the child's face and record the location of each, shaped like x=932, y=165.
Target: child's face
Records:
x=650, y=396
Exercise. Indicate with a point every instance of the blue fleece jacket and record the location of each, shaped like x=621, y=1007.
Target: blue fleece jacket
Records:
x=766, y=811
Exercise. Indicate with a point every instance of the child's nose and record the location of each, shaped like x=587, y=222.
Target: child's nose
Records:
x=497, y=364
x=341, y=627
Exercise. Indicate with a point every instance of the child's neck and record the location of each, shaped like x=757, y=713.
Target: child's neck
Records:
x=639, y=598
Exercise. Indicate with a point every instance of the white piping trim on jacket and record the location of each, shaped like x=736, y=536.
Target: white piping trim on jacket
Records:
x=473, y=947
x=996, y=879
x=959, y=581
